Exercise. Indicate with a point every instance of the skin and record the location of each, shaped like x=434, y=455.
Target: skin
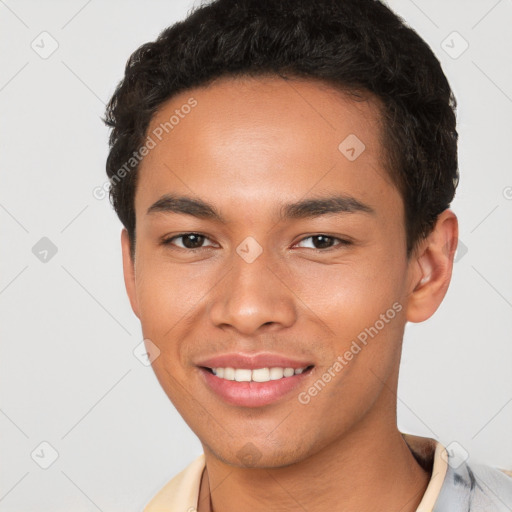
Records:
x=250, y=145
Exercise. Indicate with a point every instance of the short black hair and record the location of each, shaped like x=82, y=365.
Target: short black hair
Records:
x=357, y=46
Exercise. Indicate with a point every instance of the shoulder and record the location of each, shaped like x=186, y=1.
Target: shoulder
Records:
x=475, y=487
x=181, y=492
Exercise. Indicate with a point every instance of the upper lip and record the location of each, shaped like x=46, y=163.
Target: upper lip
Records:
x=253, y=361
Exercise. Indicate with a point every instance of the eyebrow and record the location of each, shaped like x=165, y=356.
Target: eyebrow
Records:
x=303, y=209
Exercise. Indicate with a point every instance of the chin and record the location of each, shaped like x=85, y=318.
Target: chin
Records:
x=254, y=456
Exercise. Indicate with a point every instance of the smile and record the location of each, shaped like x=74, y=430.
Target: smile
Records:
x=256, y=375
x=257, y=387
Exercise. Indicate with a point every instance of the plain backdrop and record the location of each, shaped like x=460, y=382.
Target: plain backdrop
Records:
x=74, y=397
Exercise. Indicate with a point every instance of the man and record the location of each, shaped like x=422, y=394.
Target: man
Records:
x=283, y=170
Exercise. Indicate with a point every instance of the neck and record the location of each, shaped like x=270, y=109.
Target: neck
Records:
x=362, y=471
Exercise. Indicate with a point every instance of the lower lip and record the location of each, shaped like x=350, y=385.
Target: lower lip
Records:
x=252, y=394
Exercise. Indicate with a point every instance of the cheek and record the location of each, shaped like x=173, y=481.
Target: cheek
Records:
x=347, y=296
x=172, y=300
x=167, y=293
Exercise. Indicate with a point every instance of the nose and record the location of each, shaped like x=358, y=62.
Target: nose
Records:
x=253, y=297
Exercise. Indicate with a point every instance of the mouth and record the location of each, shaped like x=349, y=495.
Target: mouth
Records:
x=258, y=374
x=253, y=381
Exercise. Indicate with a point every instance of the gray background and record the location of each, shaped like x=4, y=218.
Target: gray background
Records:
x=68, y=373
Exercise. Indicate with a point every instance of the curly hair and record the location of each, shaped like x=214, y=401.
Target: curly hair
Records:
x=355, y=45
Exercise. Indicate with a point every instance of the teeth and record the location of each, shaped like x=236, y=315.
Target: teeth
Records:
x=229, y=373
x=257, y=375
x=276, y=373
x=242, y=375
x=261, y=375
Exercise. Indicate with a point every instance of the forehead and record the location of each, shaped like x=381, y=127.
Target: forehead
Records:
x=256, y=139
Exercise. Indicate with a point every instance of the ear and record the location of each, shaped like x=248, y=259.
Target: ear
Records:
x=129, y=272
x=431, y=268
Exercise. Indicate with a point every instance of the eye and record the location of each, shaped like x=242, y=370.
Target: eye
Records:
x=190, y=241
x=321, y=241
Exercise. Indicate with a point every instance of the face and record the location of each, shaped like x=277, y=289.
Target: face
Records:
x=288, y=251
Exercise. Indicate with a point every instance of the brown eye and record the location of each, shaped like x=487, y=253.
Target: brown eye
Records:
x=189, y=241
x=321, y=241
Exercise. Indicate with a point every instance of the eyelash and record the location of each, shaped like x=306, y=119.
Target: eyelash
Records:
x=342, y=242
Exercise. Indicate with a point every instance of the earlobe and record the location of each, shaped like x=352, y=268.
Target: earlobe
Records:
x=431, y=268
x=129, y=272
